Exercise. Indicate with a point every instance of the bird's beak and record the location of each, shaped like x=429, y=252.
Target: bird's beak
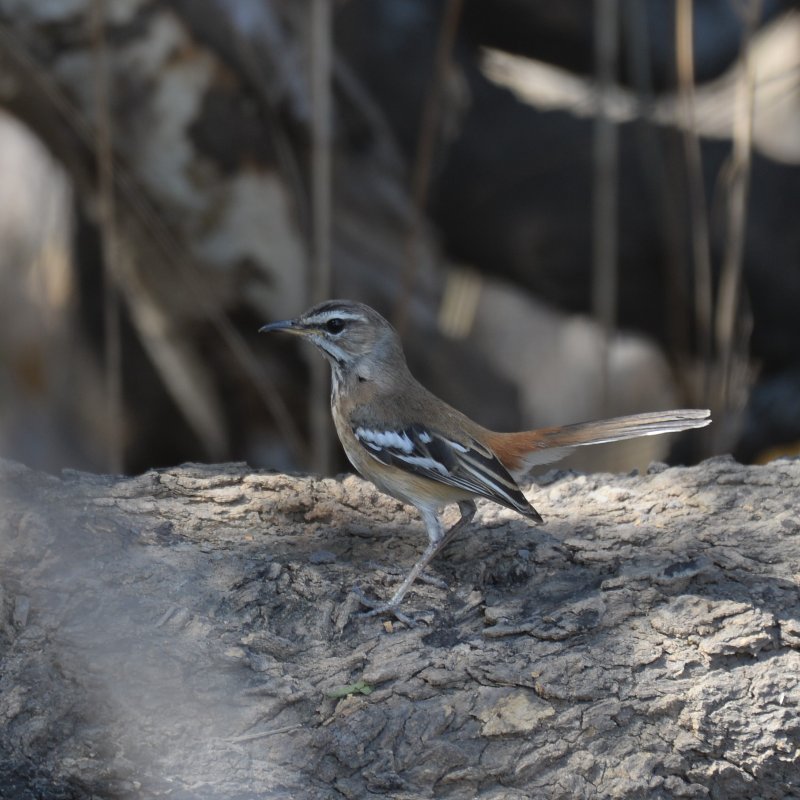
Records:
x=287, y=325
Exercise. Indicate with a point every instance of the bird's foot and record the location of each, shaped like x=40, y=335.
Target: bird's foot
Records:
x=377, y=607
x=423, y=577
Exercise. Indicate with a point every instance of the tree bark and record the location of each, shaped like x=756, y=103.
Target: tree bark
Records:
x=190, y=633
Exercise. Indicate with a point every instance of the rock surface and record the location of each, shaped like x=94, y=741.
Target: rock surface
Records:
x=187, y=633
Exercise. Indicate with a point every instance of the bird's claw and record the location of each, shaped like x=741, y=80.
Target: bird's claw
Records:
x=377, y=607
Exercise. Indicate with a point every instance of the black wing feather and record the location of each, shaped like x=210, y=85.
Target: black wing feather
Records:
x=470, y=466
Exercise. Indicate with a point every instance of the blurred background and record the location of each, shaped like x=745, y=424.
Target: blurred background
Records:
x=569, y=210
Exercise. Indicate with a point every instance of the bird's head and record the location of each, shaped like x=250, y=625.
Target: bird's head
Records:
x=349, y=334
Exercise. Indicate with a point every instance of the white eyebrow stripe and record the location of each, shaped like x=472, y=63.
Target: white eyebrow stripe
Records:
x=324, y=316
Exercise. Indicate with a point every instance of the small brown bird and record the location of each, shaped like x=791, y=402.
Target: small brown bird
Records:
x=419, y=449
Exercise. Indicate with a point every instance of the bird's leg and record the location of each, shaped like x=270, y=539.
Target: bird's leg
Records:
x=467, y=509
x=438, y=539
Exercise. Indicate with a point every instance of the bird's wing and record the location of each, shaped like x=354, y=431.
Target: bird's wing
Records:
x=469, y=465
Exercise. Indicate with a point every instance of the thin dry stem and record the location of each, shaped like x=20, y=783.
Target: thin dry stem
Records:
x=426, y=146
x=321, y=190
x=109, y=235
x=606, y=175
x=727, y=322
x=701, y=242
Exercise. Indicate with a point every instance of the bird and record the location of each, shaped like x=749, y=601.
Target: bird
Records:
x=419, y=449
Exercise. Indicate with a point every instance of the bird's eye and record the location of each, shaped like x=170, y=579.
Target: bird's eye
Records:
x=334, y=325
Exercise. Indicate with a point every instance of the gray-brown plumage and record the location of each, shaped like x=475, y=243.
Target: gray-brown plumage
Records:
x=419, y=449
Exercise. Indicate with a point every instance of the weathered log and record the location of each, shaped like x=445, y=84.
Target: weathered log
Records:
x=189, y=633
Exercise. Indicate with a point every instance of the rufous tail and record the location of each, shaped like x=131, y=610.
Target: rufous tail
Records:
x=525, y=449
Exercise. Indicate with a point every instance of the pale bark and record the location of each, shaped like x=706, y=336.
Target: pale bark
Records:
x=189, y=633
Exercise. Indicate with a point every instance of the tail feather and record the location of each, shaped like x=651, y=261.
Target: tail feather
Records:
x=525, y=449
